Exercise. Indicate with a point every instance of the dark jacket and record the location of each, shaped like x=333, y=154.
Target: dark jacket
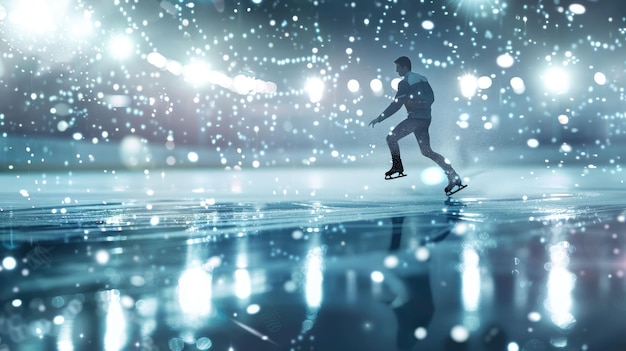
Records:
x=415, y=93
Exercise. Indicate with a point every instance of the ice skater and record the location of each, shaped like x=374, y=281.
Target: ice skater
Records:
x=416, y=94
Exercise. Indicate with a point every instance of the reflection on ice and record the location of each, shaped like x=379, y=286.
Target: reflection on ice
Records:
x=313, y=279
x=195, y=290
x=115, y=335
x=470, y=279
x=313, y=274
x=242, y=284
x=560, y=286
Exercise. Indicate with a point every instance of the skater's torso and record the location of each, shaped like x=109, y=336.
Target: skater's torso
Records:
x=417, y=95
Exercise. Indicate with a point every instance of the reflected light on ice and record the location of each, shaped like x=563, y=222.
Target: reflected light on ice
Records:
x=243, y=286
x=115, y=334
x=470, y=280
x=314, y=278
x=195, y=292
x=64, y=340
x=560, y=286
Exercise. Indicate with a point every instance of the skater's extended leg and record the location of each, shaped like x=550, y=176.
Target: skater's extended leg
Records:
x=423, y=139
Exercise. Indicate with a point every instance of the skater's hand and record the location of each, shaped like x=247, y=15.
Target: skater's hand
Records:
x=374, y=121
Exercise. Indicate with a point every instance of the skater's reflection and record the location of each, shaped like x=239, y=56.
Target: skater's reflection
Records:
x=417, y=309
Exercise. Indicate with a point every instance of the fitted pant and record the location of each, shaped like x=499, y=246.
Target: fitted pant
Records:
x=419, y=128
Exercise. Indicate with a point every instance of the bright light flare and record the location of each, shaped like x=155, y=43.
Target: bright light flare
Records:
x=469, y=85
x=195, y=73
x=157, y=60
x=244, y=85
x=315, y=89
x=556, y=80
x=121, y=46
x=560, y=285
x=39, y=16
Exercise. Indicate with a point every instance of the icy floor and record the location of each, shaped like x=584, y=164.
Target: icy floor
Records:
x=313, y=259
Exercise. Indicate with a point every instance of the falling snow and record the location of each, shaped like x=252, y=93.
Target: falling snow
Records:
x=161, y=79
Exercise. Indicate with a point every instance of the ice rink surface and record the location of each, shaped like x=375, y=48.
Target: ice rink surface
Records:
x=313, y=259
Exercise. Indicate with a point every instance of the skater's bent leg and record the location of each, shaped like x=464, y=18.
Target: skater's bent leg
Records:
x=403, y=129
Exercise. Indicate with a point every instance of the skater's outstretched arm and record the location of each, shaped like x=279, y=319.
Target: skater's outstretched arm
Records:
x=396, y=104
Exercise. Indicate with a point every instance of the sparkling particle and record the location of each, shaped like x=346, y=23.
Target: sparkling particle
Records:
x=391, y=261
x=154, y=220
x=253, y=309
x=193, y=157
x=9, y=263
x=102, y=257
x=534, y=316
x=533, y=143
x=577, y=9
x=505, y=60
x=377, y=277
x=203, y=343
x=422, y=254
x=428, y=25
x=297, y=234
x=176, y=344
x=421, y=333
x=512, y=346
x=563, y=119
x=459, y=334
x=600, y=78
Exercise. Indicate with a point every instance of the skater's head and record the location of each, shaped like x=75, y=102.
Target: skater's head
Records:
x=403, y=65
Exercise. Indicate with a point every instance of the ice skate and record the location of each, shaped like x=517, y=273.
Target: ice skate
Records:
x=397, y=170
x=454, y=185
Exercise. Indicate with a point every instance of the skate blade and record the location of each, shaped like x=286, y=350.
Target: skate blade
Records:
x=459, y=188
x=390, y=177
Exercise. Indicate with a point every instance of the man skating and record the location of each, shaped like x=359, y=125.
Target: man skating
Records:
x=416, y=94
